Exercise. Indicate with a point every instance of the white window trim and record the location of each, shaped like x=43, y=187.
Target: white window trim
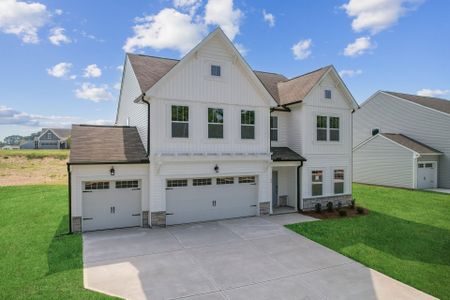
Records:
x=169, y=122
x=274, y=128
x=310, y=170
x=333, y=180
x=254, y=125
x=328, y=115
x=212, y=123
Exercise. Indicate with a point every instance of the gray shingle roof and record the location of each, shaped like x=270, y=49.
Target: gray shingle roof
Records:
x=410, y=143
x=150, y=69
x=63, y=133
x=106, y=144
x=430, y=102
x=285, y=154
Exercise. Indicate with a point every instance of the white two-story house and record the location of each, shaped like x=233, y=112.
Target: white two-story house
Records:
x=206, y=138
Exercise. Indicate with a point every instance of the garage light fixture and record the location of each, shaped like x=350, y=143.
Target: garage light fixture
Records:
x=112, y=171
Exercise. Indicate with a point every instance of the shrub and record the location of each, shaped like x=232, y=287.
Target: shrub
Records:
x=342, y=212
x=318, y=208
x=330, y=206
x=352, y=205
x=359, y=210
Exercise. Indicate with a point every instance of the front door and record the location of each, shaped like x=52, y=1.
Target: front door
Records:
x=274, y=188
x=426, y=173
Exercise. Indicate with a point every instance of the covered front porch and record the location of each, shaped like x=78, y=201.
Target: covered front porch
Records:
x=286, y=174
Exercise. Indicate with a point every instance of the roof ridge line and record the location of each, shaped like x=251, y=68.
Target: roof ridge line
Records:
x=310, y=72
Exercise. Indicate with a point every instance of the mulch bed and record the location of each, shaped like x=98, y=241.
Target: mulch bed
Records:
x=351, y=212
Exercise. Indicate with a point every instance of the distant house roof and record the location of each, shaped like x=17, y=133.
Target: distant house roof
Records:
x=285, y=154
x=430, y=102
x=150, y=69
x=410, y=143
x=106, y=144
x=62, y=133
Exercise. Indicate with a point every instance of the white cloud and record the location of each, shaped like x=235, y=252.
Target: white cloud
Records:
x=57, y=36
x=162, y=31
x=189, y=5
x=120, y=68
x=9, y=116
x=433, y=93
x=92, y=92
x=359, y=46
x=349, y=73
x=269, y=18
x=377, y=15
x=23, y=19
x=60, y=70
x=92, y=71
x=302, y=49
x=221, y=13
x=241, y=48
x=58, y=12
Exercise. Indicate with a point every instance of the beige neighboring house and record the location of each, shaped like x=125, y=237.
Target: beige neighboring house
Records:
x=402, y=140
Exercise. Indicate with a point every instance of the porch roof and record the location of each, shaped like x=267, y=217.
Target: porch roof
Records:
x=285, y=154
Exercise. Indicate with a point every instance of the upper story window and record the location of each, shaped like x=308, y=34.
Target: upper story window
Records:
x=215, y=70
x=328, y=129
x=321, y=128
x=274, y=128
x=49, y=135
x=247, y=124
x=317, y=183
x=180, y=121
x=215, y=123
x=327, y=94
x=338, y=181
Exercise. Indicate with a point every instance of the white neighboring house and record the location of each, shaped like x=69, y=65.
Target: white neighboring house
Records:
x=402, y=140
x=213, y=139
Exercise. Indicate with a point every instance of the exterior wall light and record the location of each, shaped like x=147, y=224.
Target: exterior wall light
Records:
x=216, y=168
x=112, y=171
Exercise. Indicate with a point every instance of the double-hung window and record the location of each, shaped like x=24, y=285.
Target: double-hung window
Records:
x=317, y=183
x=180, y=121
x=321, y=128
x=334, y=129
x=274, y=128
x=215, y=123
x=338, y=181
x=247, y=124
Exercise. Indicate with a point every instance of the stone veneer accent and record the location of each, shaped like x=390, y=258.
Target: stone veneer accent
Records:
x=264, y=208
x=76, y=224
x=158, y=218
x=309, y=203
x=145, y=218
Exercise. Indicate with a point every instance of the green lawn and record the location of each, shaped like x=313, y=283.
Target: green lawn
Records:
x=32, y=153
x=405, y=236
x=38, y=259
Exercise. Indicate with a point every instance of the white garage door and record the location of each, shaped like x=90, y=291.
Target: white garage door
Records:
x=426, y=175
x=205, y=199
x=111, y=204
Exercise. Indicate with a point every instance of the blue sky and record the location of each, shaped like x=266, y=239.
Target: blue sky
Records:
x=60, y=59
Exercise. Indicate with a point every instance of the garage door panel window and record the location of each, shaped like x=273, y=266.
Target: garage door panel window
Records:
x=98, y=185
x=177, y=182
x=247, y=179
x=429, y=165
x=215, y=123
x=201, y=181
x=339, y=181
x=180, y=121
x=127, y=184
x=225, y=180
x=317, y=183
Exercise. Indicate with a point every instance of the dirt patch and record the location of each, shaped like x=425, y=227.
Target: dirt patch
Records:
x=20, y=170
x=351, y=212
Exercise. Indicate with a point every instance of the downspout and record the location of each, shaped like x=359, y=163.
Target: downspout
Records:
x=298, y=186
x=148, y=123
x=69, y=181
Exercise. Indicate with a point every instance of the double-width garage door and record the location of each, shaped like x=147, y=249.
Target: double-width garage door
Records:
x=205, y=199
x=111, y=204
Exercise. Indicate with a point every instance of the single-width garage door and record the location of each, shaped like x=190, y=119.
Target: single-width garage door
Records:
x=426, y=175
x=205, y=199
x=111, y=204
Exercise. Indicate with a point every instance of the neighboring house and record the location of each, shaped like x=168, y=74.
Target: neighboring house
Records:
x=206, y=138
x=52, y=138
x=402, y=140
x=10, y=147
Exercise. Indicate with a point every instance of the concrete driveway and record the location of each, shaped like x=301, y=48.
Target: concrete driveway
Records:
x=248, y=258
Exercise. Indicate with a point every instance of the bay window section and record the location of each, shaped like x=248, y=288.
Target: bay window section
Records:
x=317, y=183
x=215, y=123
x=247, y=124
x=180, y=121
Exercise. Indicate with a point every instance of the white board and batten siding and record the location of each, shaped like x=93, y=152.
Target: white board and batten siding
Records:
x=392, y=115
x=130, y=113
x=383, y=162
x=283, y=128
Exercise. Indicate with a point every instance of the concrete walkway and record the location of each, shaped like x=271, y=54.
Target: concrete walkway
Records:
x=248, y=258
x=439, y=190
